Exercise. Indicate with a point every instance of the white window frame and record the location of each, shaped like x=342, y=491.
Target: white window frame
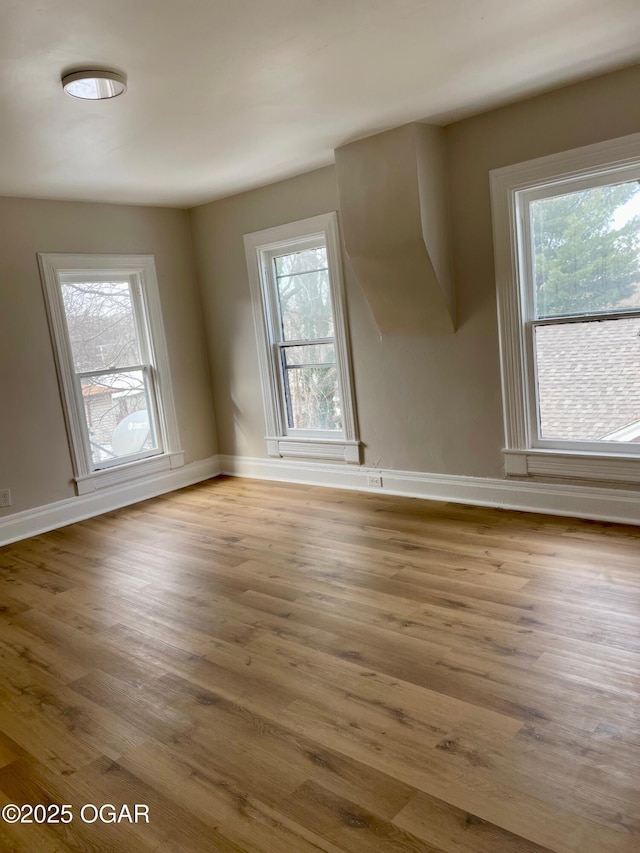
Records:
x=260, y=248
x=140, y=270
x=512, y=190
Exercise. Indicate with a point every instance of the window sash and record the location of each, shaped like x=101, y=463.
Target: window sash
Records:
x=260, y=249
x=529, y=321
x=147, y=366
x=279, y=349
x=150, y=391
x=278, y=343
x=139, y=272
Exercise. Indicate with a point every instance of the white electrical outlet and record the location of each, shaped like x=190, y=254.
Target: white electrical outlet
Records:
x=374, y=481
x=5, y=497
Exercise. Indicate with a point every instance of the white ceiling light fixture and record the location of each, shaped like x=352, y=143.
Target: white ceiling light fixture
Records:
x=94, y=85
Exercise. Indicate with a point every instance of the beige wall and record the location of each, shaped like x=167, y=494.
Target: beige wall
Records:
x=421, y=399
x=35, y=461
x=426, y=402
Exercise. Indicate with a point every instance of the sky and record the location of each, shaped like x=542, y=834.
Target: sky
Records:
x=628, y=210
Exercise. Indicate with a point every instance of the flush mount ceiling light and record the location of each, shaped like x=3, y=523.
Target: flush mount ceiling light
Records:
x=94, y=85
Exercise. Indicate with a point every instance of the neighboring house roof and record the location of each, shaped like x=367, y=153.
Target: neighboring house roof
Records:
x=589, y=379
x=95, y=390
x=118, y=385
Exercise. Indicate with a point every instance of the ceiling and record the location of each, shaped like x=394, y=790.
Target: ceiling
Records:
x=226, y=95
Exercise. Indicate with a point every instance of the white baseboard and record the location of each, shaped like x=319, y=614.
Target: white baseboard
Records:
x=595, y=502
x=583, y=501
x=21, y=525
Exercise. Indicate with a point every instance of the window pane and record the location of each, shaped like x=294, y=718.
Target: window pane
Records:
x=311, y=354
x=117, y=409
x=312, y=398
x=304, y=295
x=307, y=260
x=586, y=251
x=589, y=380
x=101, y=324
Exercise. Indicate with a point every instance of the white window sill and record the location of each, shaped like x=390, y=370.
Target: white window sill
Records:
x=324, y=449
x=575, y=464
x=128, y=472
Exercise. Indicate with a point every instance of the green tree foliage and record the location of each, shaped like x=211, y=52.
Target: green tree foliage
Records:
x=583, y=262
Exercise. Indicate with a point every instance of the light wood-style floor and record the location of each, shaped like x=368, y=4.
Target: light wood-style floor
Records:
x=286, y=669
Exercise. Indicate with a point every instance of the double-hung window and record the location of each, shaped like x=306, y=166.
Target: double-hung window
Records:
x=567, y=246
x=111, y=357
x=303, y=351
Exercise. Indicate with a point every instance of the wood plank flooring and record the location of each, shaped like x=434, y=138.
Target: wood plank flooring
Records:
x=275, y=668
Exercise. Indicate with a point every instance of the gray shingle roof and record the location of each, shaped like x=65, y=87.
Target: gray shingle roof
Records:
x=589, y=377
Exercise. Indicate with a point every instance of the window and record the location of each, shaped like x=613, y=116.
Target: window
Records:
x=298, y=301
x=567, y=246
x=111, y=357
